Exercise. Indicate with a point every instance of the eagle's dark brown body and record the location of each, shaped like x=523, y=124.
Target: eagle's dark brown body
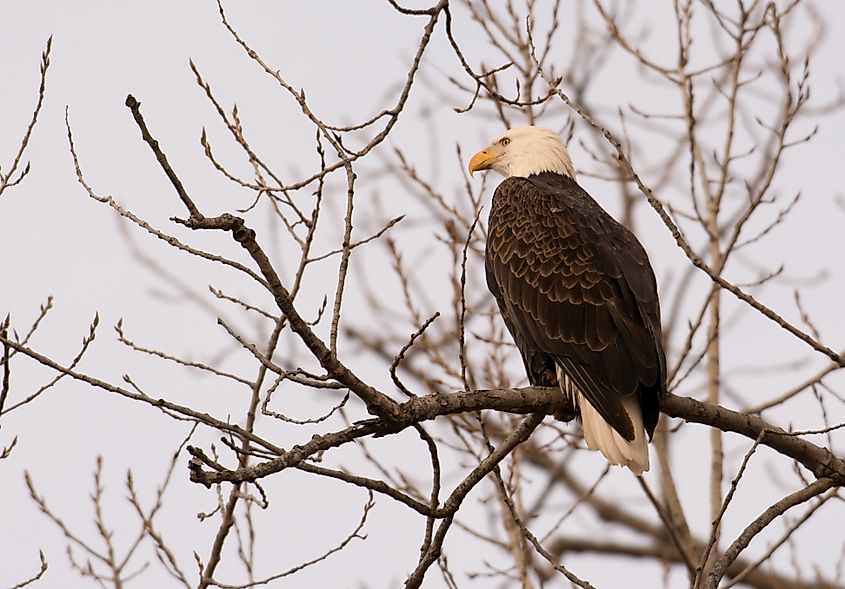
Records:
x=576, y=291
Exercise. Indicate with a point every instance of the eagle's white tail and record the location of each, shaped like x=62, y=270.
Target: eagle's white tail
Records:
x=600, y=436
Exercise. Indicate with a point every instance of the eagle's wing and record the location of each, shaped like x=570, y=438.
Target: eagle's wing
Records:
x=577, y=286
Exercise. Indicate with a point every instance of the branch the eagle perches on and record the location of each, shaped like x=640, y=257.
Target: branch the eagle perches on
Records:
x=392, y=417
x=536, y=400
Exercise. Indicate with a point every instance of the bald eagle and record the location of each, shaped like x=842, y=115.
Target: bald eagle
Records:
x=577, y=293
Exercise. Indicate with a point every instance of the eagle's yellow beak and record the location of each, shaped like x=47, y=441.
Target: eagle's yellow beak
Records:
x=485, y=158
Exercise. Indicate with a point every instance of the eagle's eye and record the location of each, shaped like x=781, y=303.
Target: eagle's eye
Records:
x=505, y=142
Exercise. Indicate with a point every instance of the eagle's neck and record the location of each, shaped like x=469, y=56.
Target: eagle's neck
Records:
x=550, y=156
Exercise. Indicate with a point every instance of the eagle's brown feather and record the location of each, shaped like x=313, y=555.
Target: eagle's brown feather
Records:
x=576, y=290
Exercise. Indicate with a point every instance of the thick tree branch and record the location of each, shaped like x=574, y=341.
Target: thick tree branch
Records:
x=528, y=400
x=820, y=461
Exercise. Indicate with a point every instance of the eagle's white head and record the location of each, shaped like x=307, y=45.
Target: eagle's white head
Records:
x=523, y=151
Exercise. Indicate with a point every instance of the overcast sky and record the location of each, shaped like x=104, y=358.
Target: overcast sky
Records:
x=351, y=58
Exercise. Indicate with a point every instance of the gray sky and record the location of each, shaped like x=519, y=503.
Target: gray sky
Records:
x=350, y=58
